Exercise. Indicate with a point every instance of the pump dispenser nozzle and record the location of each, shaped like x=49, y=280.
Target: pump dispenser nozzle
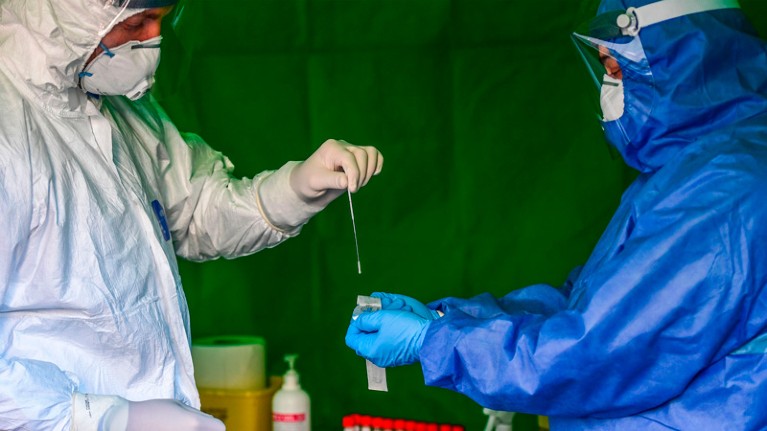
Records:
x=291, y=360
x=291, y=376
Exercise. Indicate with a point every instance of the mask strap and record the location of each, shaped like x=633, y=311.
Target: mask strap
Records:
x=636, y=18
x=106, y=50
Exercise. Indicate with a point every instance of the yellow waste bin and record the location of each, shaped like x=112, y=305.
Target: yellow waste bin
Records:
x=241, y=410
x=543, y=423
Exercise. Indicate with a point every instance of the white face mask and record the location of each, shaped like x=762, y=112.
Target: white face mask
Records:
x=124, y=70
x=611, y=98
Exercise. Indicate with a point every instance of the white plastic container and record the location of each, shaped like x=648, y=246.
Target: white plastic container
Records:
x=290, y=405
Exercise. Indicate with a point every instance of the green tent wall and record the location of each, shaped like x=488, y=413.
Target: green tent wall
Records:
x=496, y=176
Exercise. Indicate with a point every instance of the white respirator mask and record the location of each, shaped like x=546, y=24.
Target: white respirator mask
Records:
x=126, y=70
x=611, y=98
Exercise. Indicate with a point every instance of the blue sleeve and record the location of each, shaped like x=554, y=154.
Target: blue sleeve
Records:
x=538, y=299
x=635, y=330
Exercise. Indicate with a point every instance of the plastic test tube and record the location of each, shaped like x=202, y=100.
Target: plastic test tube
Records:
x=349, y=423
x=376, y=374
x=365, y=422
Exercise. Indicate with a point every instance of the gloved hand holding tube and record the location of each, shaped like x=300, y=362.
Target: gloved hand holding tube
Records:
x=388, y=338
x=112, y=413
x=395, y=301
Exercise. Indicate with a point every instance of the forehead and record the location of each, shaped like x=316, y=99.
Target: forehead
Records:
x=152, y=14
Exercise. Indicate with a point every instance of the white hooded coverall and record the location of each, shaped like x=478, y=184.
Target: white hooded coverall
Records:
x=90, y=295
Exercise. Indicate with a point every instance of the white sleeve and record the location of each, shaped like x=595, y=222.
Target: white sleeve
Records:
x=34, y=395
x=212, y=214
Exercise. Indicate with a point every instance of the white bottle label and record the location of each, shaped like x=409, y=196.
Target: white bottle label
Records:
x=289, y=422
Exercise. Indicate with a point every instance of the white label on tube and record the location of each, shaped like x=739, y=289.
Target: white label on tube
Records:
x=376, y=374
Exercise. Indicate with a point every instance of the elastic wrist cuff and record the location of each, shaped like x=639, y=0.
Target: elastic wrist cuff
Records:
x=99, y=412
x=260, y=205
x=279, y=204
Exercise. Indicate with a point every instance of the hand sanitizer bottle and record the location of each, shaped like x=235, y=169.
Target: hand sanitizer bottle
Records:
x=290, y=405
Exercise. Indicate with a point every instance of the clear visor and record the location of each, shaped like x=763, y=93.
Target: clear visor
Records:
x=619, y=70
x=181, y=19
x=610, y=63
x=606, y=51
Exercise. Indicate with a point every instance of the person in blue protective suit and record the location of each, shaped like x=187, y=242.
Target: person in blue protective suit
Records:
x=665, y=326
x=98, y=194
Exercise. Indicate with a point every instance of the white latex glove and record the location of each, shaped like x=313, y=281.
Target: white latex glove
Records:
x=334, y=167
x=112, y=413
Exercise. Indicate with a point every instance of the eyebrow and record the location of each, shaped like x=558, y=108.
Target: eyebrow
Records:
x=142, y=16
x=154, y=13
x=151, y=14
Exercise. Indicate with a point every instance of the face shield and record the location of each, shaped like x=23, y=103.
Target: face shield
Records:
x=610, y=45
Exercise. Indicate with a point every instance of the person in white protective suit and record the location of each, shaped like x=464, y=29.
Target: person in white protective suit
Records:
x=99, y=192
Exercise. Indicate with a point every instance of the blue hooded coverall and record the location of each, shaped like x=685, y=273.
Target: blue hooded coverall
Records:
x=665, y=326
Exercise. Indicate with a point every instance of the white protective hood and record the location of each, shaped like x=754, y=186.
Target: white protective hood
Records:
x=49, y=41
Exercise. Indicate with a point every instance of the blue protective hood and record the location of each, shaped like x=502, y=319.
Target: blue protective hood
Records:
x=665, y=325
x=710, y=73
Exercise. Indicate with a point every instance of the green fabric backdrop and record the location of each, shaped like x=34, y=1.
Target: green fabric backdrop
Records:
x=496, y=176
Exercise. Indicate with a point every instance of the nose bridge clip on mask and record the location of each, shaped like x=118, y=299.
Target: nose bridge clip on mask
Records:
x=634, y=19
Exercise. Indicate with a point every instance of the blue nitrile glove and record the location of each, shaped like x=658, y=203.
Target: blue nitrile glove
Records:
x=395, y=301
x=387, y=338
